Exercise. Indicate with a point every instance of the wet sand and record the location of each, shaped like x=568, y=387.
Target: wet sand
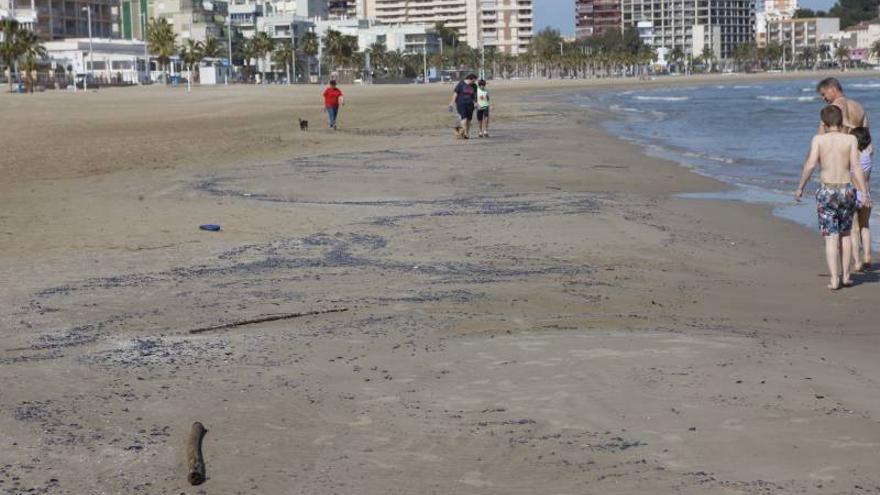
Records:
x=533, y=313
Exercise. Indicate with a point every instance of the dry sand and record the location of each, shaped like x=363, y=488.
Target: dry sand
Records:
x=534, y=313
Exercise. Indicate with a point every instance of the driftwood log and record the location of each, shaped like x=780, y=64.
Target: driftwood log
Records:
x=195, y=463
x=267, y=318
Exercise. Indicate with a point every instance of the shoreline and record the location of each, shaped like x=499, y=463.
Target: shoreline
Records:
x=537, y=302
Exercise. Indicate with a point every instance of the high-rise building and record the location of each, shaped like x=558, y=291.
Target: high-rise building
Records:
x=595, y=17
x=504, y=24
x=56, y=19
x=192, y=19
x=693, y=25
x=780, y=9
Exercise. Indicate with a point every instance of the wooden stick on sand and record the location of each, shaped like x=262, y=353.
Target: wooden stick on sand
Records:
x=264, y=319
x=195, y=463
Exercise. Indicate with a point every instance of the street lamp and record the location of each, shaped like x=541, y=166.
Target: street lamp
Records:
x=425, y=59
x=91, y=67
x=229, y=40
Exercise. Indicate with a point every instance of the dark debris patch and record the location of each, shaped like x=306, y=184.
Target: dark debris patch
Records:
x=161, y=352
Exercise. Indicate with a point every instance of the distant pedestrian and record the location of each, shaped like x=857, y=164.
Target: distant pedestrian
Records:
x=463, y=100
x=483, y=108
x=333, y=99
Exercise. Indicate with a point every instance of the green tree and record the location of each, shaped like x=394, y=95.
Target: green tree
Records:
x=676, y=56
x=262, y=46
x=11, y=48
x=32, y=52
x=283, y=56
x=841, y=54
x=852, y=12
x=162, y=42
x=250, y=53
x=309, y=46
x=708, y=57
x=875, y=49
x=192, y=53
x=378, y=55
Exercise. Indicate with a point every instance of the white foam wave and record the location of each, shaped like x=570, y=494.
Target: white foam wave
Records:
x=662, y=98
x=745, y=87
x=786, y=98
x=618, y=108
x=864, y=85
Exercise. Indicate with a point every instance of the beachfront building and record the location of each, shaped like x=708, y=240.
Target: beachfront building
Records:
x=104, y=60
x=797, y=34
x=408, y=38
x=692, y=25
x=25, y=14
x=595, y=17
x=504, y=25
x=779, y=9
x=862, y=37
x=58, y=19
x=192, y=19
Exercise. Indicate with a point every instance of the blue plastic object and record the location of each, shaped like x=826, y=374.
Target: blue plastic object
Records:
x=210, y=227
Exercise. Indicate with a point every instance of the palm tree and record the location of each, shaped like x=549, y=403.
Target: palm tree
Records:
x=378, y=55
x=708, y=56
x=250, y=52
x=334, y=47
x=309, y=47
x=875, y=49
x=283, y=56
x=32, y=50
x=842, y=56
x=11, y=47
x=191, y=52
x=676, y=56
x=262, y=45
x=213, y=49
x=162, y=42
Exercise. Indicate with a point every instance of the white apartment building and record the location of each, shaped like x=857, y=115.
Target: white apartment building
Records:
x=25, y=12
x=692, y=25
x=505, y=24
x=780, y=9
x=801, y=33
x=107, y=60
x=192, y=19
x=411, y=38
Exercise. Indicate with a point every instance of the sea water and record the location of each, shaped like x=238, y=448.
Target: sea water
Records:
x=753, y=136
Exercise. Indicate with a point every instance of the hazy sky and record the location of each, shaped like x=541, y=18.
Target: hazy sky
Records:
x=560, y=13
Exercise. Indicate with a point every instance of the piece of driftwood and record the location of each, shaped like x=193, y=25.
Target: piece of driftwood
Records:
x=267, y=318
x=195, y=463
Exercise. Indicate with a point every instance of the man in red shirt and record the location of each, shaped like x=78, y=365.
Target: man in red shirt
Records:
x=332, y=101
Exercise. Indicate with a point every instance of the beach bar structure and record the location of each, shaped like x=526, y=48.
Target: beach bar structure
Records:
x=115, y=61
x=719, y=24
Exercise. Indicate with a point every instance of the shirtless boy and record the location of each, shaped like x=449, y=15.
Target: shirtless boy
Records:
x=837, y=155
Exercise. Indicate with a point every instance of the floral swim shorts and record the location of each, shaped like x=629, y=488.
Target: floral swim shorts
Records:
x=836, y=205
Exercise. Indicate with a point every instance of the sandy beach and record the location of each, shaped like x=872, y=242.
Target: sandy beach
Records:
x=533, y=313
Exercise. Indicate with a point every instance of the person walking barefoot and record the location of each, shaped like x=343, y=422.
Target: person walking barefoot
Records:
x=837, y=155
x=463, y=98
x=483, y=108
x=862, y=237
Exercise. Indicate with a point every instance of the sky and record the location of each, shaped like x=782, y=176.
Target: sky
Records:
x=559, y=14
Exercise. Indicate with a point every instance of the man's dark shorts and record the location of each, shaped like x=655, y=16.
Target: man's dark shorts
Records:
x=482, y=113
x=466, y=111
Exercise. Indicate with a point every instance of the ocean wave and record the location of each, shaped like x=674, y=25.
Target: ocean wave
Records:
x=746, y=87
x=662, y=98
x=864, y=85
x=618, y=108
x=786, y=98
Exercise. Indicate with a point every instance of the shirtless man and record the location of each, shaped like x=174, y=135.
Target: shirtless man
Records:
x=853, y=113
x=837, y=154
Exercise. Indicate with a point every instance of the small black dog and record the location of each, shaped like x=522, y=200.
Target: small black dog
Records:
x=303, y=125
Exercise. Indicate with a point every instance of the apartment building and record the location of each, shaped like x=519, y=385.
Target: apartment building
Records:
x=780, y=9
x=58, y=19
x=801, y=33
x=506, y=25
x=723, y=24
x=595, y=17
x=192, y=19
